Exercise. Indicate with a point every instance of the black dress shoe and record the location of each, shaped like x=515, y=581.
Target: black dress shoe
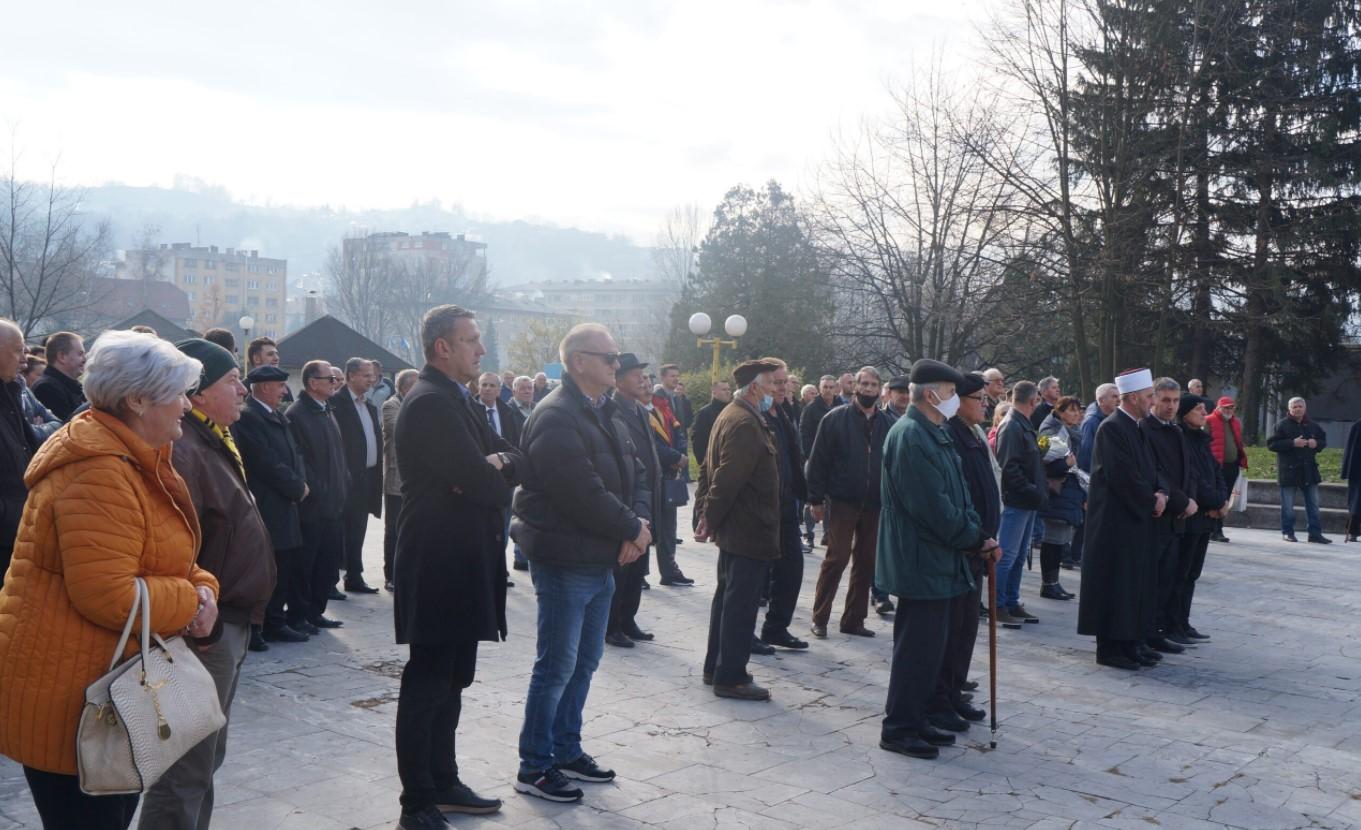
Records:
x=1194, y=634
x=678, y=581
x=969, y=685
x=1164, y=645
x=257, y=642
x=520, y=566
x=646, y=585
x=1288, y=537
x=936, y=737
x=388, y=586
x=429, y=818
x=949, y=721
x=1120, y=661
x=783, y=639
x=758, y=647
x=336, y=596
x=305, y=627
x=1054, y=592
x=1143, y=652
x=633, y=632
x=911, y=747
x=967, y=697
x=618, y=639
x=970, y=713
x=325, y=622
x=1320, y=540
x=742, y=691
x=284, y=634
x=1179, y=638
x=461, y=799
x=360, y=587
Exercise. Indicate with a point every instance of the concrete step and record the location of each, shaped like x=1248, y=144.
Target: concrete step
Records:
x=1267, y=491
x=1268, y=517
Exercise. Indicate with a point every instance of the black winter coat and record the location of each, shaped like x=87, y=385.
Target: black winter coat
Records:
x=649, y=497
x=809, y=421
x=581, y=480
x=449, y=571
x=274, y=470
x=976, y=461
x=1018, y=452
x=1296, y=466
x=59, y=393
x=1176, y=477
x=323, y=453
x=18, y=442
x=366, y=488
x=704, y=424
x=1212, y=492
x=798, y=484
x=847, y=461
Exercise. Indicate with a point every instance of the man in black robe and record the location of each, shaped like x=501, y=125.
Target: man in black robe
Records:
x=1119, y=584
x=1177, y=478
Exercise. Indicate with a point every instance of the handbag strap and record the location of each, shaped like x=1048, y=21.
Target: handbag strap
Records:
x=138, y=588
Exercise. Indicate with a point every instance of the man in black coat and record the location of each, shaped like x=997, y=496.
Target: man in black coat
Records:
x=1297, y=441
x=576, y=517
x=843, y=472
x=720, y=395
x=323, y=537
x=1119, y=572
x=59, y=388
x=809, y=420
x=362, y=432
x=633, y=393
x=278, y=481
x=1212, y=496
x=18, y=441
x=449, y=573
x=786, y=573
x=1177, y=478
x=976, y=461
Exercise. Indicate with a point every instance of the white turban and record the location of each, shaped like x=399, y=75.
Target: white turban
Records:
x=1136, y=381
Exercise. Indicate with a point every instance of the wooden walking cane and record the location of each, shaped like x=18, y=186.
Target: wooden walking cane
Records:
x=992, y=646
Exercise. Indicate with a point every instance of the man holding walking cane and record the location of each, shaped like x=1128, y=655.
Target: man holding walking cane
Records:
x=927, y=526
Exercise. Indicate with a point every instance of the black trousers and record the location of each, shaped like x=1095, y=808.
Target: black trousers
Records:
x=356, y=527
x=1169, y=556
x=286, y=570
x=392, y=508
x=1191, y=562
x=628, y=594
x=428, y=708
x=732, y=617
x=664, y=542
x=954, y=670
x=62, y=806
x=921, y=632
x=786, y=578
x=323, y=543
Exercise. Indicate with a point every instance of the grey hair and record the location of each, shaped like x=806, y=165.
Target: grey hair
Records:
x=124, y=364
x=1106, y=387
x=808, y=387
x=1024, y=392
x=1166, y=385
x=576, y=339
x=869, y=370
x=355, y=364
x=754, y=385
x=1047, y=383
x=439, y=323
x=993, y=373
x=406, y=375
x=518, y=378
x=917, y=391
x=1292, y=402
x=826, y=378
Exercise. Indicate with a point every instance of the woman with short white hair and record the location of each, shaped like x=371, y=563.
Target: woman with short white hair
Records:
x=104, y=508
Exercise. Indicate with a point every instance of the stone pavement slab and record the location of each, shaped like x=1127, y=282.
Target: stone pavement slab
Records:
x=1261, y=728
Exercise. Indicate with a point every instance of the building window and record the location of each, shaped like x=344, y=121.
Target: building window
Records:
x=232, y=266
x=271, y=285
x=190, y=295
x=210, y=264
x=189, y=262
x=272, y=302
x=233, y=299
x=252, y=283
x=233, y=282
x=189, y=279
x=270, y=318
x=252, y=301
x=207, y=280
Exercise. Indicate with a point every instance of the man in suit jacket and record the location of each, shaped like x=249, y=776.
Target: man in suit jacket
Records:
x=323, y=538
x=502, y=417
x=362, y=433
x=449, y=573
x=277, y=479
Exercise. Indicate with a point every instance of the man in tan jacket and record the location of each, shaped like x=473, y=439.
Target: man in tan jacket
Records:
x=739, y=504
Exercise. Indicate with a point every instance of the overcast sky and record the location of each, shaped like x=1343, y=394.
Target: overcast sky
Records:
x=602, y=115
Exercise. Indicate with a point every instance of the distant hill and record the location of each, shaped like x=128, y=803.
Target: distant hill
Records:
x=517, y=252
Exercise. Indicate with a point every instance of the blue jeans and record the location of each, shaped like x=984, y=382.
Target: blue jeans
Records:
x=1310, y=510
x=574, y=609
x=1014, y=536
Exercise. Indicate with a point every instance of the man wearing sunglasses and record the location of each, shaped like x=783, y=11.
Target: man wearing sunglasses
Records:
x=577, y=515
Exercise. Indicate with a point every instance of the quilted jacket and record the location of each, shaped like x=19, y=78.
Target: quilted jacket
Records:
x=103, y=508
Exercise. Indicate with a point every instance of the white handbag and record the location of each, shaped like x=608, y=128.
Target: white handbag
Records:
x=145, y=713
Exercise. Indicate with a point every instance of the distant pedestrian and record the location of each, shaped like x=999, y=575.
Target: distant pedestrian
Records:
x=1297, y=441
x=59, y=388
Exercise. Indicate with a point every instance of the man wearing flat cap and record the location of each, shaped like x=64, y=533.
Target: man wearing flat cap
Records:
x=899, y=396
x=739, y=503
x=633, y=394
x=1119, y=569
x=277, y=479
x=927, y=529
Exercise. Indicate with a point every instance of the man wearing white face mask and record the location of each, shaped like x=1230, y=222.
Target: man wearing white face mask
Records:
x=843, y=473
x=1024, y=493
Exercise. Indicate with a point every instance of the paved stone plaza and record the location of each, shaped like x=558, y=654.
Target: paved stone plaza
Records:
x=1259, y=729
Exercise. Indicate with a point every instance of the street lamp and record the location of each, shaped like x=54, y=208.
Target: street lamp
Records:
x=735, y=326
x=246, y=323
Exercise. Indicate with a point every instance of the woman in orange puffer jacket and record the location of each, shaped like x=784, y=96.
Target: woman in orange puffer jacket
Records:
x=104, y=508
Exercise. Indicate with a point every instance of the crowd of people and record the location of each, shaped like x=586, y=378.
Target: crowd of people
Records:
x=244, y=509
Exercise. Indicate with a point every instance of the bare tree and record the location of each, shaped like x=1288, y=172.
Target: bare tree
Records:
x=677, y=249
x=362, y=287
x=537, y=344
x=50, y=253
x=914, y=226
x=423, y=283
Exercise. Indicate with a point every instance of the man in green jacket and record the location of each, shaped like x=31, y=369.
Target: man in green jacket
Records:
x=927, y=525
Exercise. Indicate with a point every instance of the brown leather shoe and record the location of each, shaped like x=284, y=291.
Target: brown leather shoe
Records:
x=742, y=691
x=858, y=631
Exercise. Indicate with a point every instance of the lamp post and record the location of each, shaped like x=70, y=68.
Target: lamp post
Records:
x=735, y=326
x=246, y=323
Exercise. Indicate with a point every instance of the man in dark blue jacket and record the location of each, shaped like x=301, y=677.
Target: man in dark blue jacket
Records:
x=843, y=473
x=576, y=517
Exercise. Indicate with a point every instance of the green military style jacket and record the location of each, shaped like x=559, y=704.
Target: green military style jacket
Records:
x=927, y=521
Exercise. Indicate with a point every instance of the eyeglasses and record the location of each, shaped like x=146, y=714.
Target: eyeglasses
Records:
x=612, y=358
